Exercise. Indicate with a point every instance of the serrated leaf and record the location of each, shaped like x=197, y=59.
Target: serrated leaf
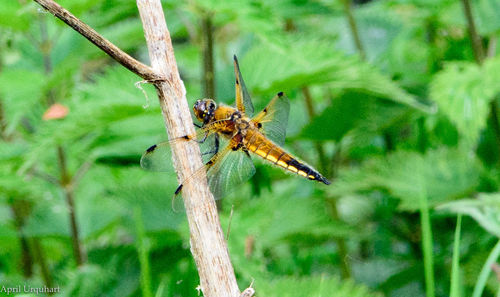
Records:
x=440, y=175
x=281, y=65
x=463, y=91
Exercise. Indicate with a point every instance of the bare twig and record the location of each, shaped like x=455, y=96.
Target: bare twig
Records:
x=109, y=48
x=207, y=240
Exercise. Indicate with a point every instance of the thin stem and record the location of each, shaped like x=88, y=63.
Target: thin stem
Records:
x=485, y=271
x=40, y=258
x=341, y=244
x=455, y=269
x=319, y=148
x=477, y=46
x=354, y=28
x=208, y=57
x=65, y=182
x=20, y=210
x=3, y=122
x=109, y=48
x=427, y=246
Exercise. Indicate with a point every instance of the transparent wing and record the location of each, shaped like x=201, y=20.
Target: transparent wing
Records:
x=232, y=168
x=158, y=157
x=273, y=119
x=243, y=101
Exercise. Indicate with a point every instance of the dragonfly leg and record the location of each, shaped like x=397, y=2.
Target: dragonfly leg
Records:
x=207, y=166
x=215, y=150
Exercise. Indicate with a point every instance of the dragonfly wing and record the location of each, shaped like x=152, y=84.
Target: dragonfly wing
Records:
x=230, y=169
x=243, y=101
x=273, y=119
x=158, y=158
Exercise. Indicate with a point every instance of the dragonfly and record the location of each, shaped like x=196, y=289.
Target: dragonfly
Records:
x=229, y=136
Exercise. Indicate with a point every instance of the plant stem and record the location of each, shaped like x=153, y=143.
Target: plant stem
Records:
x=208, y=57
x=455, y=269
x=65, y=183
x=485, y=271
x=319, y=148
x=341, y=245
x=20, y=210
x=40, y=257
x=427, y=246
x=477, y=46
x=207, y=44
x=354, y=28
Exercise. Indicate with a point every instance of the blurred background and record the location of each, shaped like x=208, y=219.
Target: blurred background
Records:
x=396, y=102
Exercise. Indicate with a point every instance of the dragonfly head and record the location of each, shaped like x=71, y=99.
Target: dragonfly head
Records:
x=204, y=110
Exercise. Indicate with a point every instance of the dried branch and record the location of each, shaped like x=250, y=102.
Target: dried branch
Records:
x=105, y=45
x=207, y=241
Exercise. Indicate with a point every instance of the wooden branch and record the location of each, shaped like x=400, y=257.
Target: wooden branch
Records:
x=105, y=45
x=207, y=241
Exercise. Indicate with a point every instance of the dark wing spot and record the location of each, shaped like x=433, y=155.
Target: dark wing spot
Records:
x=186, y=137
x=280, y=94
x=234, y=57
x=151, y=148
x=237, y=81
x=179, y=188
x=264, y=110
x=259, y=125
x=210, y=162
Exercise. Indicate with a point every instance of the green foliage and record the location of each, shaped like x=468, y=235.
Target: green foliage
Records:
x=408, y=136
x=439, y=175
x=312, y=286
x=462, y=91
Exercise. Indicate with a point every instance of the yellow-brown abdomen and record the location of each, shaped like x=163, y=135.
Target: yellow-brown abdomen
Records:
x=258, y=144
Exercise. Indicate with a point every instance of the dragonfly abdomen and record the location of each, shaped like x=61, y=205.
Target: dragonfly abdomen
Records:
x=264, y=148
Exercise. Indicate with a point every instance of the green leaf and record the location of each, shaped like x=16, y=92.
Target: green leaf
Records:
x=485, y=210
x=354, y=111
x=14, y=15
x=311, y=286
x=463, y=92
x=441, y=175
x=280, y=65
